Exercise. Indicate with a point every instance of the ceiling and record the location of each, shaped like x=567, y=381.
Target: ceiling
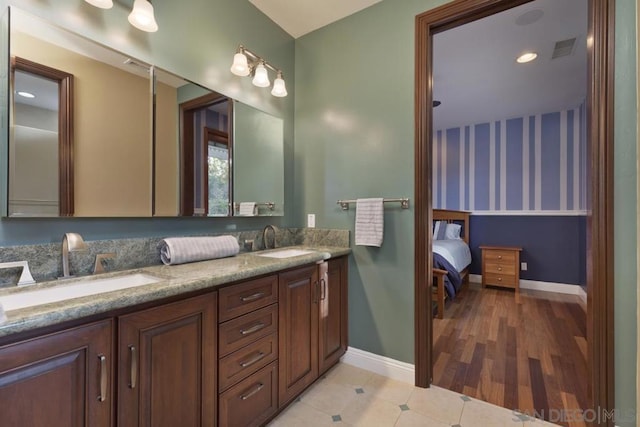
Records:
x=477, y=79
x=299, y=17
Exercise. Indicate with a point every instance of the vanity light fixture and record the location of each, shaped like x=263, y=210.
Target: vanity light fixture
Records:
x=526, y=57
x=142, y=16
x=102, y=4
x=247, y=63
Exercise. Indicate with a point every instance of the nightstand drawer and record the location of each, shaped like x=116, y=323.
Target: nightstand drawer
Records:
x=500, y=279
x=501, y=268
x=496, y=255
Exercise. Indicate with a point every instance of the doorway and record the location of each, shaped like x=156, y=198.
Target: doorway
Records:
x=599, y=225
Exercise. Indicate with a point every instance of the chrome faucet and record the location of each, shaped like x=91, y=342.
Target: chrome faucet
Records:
x=274, y=231
x=71, y=242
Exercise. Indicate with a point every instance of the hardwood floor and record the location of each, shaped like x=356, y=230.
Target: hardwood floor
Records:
x=525, y=353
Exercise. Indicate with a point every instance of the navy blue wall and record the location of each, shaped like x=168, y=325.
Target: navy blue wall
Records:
x=552, y=246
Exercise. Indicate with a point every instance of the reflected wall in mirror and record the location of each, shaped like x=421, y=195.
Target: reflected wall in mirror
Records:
x=111, y=123
x=41, y=173
x=258, y=160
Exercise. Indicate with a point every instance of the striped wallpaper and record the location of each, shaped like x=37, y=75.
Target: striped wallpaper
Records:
x=533, y=163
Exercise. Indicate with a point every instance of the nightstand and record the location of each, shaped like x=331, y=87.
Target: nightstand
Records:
x=501, y=266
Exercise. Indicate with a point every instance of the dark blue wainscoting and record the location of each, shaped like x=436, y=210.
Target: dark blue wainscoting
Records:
x=554, y=247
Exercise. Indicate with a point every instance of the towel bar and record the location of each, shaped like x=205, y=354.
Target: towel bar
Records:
x=404, y=203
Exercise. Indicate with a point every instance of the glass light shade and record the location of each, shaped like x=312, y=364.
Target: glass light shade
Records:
x=102, y=4
x=261, y=78
x=279, y=88
x=142, y=16
x=240, y=67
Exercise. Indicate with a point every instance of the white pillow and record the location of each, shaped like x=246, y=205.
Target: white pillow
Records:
x=452, y=232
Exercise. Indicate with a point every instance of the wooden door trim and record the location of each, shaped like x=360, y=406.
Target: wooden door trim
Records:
x=65, y=127
x=600, y=217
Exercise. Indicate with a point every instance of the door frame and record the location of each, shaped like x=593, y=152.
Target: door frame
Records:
x=600, y=97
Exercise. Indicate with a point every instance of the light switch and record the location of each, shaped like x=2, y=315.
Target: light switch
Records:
x=311, y=220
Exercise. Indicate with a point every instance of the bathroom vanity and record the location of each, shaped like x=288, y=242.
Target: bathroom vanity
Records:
x=227, y=342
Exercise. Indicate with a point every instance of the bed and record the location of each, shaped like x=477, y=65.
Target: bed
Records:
x=451, y=259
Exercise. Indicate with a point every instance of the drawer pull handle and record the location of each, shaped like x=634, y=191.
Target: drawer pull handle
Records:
x=103, y=378
x=254, y=328
x=499, y=279
x=499, y=268
x=134, y=367
x=260, y=356
x=499, y=256
x=253, y=297
x=252, y=392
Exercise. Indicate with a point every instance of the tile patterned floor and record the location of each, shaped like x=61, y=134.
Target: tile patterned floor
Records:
x=349, y=396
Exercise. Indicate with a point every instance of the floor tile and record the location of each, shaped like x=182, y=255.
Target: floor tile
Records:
x=437, y=403
x=349, y=375
x=301, y=414
x=414, y=419
x=477, y=413
x=385, y=388
x=368, y=412
x=329, y=397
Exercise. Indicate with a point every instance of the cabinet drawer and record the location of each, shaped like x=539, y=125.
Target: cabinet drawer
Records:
x=499, y=255
x=246, y=329
x=501, y=268
x=252, y=401
x=241, y=299
x=500, y=280
x=246, y=361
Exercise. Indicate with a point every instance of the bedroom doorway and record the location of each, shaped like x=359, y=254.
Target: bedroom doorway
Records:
x=599, y=227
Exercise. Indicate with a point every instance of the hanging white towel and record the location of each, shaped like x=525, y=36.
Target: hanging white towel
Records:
x=180, y=250
x=369, y=222
x=248, y=209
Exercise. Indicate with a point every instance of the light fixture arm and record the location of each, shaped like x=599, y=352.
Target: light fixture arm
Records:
x=256, y=59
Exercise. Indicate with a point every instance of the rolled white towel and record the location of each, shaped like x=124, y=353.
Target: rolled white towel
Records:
x=180, y=250
x=3, y=316
x=248, y=209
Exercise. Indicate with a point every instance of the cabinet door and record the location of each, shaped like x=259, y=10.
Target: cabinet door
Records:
x=298, y=331
x=63, y=379
x=332, y=339
x=167, y=372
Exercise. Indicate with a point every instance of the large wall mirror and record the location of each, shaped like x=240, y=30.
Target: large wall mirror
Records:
x=106, y=135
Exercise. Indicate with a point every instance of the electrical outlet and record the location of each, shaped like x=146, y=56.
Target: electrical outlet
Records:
x=523, y=266
x=311, y=220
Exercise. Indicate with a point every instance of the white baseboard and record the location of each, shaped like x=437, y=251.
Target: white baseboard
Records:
x=381, y=365
x=535, y=285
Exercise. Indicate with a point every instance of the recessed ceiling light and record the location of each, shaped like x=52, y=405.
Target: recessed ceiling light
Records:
x=526, y=57
x=26, y=94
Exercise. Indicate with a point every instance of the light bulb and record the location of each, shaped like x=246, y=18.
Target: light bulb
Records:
x=526, y=57
x=102, y=4
x=279, y=88
x=261, y=78
x=142, y=17
x=240, y=67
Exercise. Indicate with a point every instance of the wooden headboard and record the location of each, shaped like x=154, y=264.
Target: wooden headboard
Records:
x=460, y=217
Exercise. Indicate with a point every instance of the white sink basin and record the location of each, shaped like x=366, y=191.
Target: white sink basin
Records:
x=74, y=290
x=286, y=253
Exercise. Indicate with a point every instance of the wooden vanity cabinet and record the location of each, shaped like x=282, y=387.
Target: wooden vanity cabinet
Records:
x=59, y=380
x=333, y=310
x=167, y=358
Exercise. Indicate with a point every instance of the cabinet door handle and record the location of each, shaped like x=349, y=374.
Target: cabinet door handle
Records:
x=252, y=392
x=323, y=289
x=253, y=297
x=134, y=367
x=499, y=268
x=254, y=328
x=103, y=378
x=499, y=256
x=250, y=362
x=499, y=279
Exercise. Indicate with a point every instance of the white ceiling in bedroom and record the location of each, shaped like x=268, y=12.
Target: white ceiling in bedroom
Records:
x=476, y=76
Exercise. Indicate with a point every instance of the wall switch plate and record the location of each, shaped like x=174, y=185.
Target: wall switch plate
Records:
x=311, y=220
x=523, y=266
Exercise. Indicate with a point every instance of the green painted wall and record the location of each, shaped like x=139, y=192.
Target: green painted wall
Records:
x=197, y=40
x=354, y=132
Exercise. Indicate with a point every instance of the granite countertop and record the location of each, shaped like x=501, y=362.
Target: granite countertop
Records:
x=175, y=280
